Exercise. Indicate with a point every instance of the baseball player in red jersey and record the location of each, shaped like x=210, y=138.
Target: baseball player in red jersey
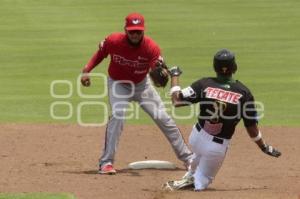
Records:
x=132, y=55
x=223, y=103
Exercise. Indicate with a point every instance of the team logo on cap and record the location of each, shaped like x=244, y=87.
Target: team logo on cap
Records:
x=136, y=21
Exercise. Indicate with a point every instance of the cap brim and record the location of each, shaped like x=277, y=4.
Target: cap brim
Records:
x=135, y=28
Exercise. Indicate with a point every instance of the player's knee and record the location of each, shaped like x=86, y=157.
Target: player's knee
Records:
x=165, y=119
x=118, y=114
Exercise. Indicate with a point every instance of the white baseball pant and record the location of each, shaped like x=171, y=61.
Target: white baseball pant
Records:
x=208, y=156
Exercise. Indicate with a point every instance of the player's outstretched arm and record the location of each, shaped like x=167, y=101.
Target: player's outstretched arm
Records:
x=256, y=136
x=93, y=62
x=175, y=72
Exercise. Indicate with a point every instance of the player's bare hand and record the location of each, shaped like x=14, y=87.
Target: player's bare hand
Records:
x=85, y=80
x=269, y=150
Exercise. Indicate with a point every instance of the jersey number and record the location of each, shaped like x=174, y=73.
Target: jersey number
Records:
x=219, y=108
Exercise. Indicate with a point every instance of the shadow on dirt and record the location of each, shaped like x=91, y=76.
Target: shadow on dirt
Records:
x=125, y=171
x=191, y=188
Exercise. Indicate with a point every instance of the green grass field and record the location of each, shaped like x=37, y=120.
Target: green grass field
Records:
x=43, y=41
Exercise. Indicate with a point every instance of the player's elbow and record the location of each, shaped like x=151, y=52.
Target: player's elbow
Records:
x=178, y=103
x=176, y=100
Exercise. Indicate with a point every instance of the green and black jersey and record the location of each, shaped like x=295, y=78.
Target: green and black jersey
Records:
x=222, y=105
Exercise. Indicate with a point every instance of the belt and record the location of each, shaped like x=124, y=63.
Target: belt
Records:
x=215, y=139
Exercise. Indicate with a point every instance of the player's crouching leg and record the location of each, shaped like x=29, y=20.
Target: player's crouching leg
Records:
x=201, y=182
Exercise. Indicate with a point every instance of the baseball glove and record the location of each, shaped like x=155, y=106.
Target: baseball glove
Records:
x=160, y=75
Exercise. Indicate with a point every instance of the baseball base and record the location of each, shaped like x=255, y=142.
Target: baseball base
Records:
x=152, y=164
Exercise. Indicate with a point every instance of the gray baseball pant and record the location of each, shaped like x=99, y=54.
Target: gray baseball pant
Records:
x=120, y=95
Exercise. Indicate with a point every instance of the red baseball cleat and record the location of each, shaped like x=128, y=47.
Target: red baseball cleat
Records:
x=107, y=169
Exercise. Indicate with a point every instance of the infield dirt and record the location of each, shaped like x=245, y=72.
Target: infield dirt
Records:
x=63, y=158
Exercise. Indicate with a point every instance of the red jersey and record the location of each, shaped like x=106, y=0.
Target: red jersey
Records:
x=127, y=62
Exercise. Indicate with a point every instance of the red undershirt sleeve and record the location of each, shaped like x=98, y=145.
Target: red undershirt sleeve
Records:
x=97, y=57
x=155, y=56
